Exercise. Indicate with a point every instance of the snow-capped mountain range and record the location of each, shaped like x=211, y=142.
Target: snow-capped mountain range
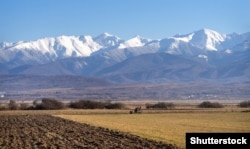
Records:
x=105, y=54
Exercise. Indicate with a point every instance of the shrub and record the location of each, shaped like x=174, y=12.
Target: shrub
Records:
x=114, y=106
x=160, y=105
x=208, y=104
x=3, y=107
x=50, y=104
x=244, y=104
x=13, y=105
x=35, y=103
x=87, y=104
x=24, y=106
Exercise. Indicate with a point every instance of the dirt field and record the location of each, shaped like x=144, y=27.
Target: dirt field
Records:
x=45, y=131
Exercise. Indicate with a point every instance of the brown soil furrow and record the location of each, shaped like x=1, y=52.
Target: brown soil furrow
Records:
x=44, y=131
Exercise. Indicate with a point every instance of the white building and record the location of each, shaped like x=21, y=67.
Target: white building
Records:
x=2, y=94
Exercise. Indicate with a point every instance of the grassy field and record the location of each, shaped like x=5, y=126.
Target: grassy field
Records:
x=168, y=127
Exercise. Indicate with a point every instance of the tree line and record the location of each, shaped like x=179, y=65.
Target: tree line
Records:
x=53, y=104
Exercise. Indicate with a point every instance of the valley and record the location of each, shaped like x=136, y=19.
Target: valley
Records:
x=23, y=87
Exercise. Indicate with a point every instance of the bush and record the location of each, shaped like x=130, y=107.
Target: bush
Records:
x=24, y=106
x=3, y=107
x=88, y=104
x=50, y=104
x=13, y=105
x=244, y=104
x=160, y=105
x=114, y=106
x=208, y=104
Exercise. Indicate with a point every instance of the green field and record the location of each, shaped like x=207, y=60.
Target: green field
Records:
x=168, y=127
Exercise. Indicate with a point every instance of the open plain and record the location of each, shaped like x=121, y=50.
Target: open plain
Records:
x=169, y=126
x=103, y=128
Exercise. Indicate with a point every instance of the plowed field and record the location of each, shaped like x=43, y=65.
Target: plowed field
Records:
x=45, y=131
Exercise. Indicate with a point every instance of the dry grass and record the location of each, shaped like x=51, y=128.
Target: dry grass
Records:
x=169, y=127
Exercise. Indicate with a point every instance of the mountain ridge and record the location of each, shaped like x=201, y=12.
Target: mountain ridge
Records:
x=92, y=56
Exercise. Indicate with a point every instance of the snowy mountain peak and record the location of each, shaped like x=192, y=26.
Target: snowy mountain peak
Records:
x=136, y=41
x=106, y=34
x=212, y=34
x=107, y=40
x=207, y=30
x=207, y=39
x=5, y=44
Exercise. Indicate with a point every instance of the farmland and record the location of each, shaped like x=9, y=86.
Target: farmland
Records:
x=104, y=128
x=169, y=127
x=44, y=131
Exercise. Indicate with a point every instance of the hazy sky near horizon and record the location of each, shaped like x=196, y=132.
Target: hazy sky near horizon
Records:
x=155, y=19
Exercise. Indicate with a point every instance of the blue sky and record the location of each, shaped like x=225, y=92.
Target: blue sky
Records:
x=155, y=19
